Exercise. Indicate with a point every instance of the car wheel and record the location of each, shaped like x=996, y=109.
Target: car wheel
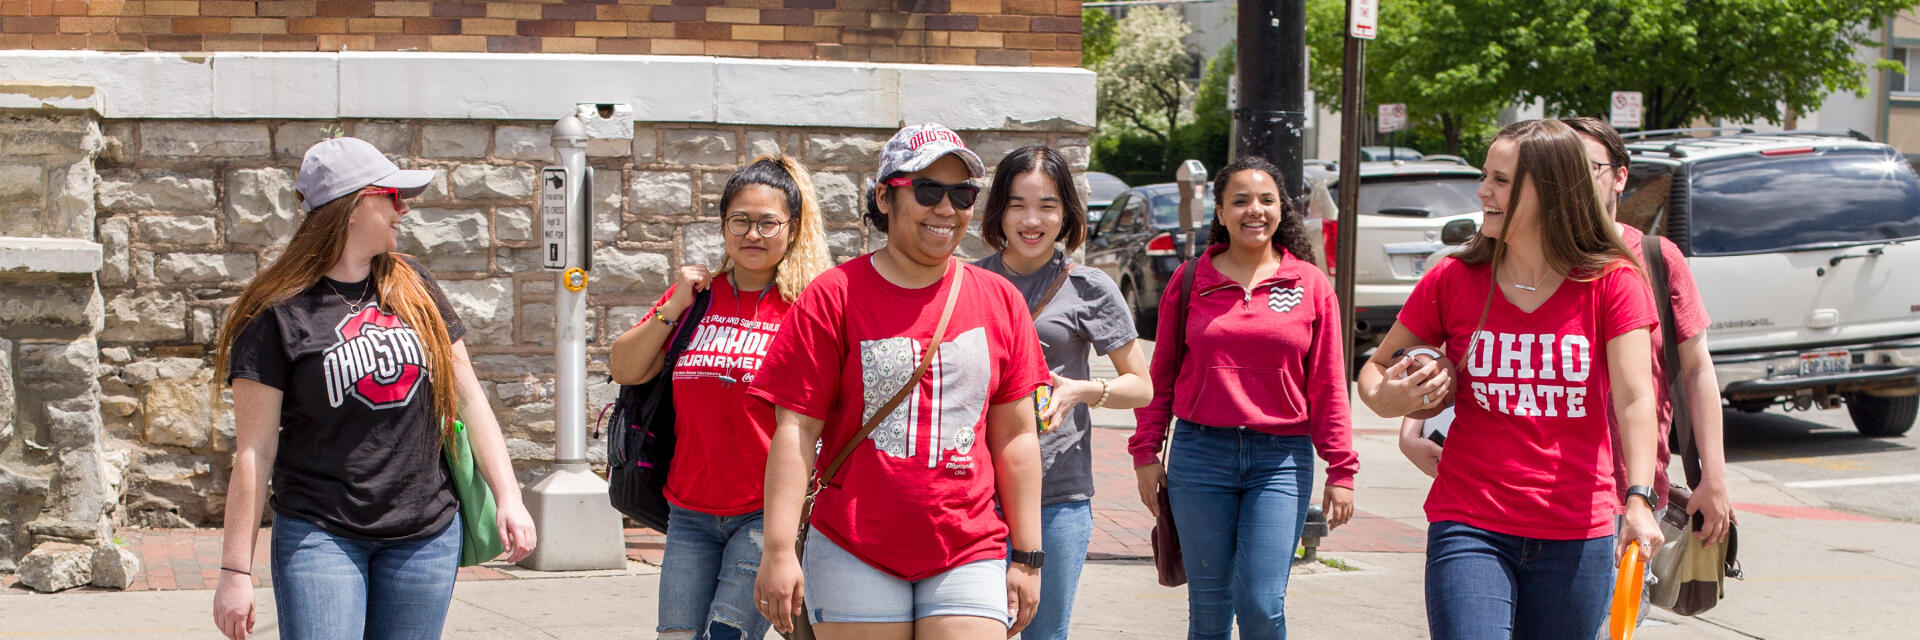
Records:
x=1882, y=417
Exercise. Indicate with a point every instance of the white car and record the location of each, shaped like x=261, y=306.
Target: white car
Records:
x=1805, y=247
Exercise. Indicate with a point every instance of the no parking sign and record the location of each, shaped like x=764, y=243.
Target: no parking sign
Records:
x=1626, y=110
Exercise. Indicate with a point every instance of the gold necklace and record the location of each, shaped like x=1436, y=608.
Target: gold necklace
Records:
x=353, y=309
x=1532, y=287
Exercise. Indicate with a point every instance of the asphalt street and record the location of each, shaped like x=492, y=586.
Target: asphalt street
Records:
x=1819, y=452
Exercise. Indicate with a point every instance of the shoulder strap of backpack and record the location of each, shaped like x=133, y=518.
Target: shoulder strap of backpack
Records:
x=683, y=328
x=1180, y=329
x=1052, y=289
x=913, y=382
x=1654, y=255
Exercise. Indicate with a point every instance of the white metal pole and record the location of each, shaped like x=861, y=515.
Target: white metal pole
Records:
x=570, y=305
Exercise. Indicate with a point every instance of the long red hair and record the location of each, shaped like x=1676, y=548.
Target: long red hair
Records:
x=315, y=247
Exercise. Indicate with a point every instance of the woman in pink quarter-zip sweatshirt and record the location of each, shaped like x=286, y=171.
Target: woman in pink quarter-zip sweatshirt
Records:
x=1260, y=388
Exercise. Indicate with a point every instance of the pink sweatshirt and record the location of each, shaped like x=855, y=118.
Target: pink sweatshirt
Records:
x=1267, y=359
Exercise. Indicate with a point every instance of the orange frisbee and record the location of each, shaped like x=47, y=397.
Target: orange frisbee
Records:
x=1626, y=594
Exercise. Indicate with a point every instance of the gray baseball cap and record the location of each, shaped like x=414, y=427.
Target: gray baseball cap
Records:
x=336, y=167
x=917, y=147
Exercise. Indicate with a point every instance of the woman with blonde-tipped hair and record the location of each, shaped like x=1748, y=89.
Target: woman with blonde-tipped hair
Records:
x=774, y=246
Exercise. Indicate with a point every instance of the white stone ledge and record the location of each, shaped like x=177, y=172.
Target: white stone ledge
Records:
x=49, y=255
x=502, y=86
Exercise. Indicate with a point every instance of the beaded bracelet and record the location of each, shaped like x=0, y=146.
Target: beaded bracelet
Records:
x=1104, y=392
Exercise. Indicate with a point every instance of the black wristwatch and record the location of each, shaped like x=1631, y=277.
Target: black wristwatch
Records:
x=1644, y=491
x=1033, y=558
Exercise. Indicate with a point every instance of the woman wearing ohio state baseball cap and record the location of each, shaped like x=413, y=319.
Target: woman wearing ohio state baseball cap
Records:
x=348, y=369
x=916, y=373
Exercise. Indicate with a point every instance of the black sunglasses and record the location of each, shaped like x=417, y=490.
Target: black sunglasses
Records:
x=927, y=191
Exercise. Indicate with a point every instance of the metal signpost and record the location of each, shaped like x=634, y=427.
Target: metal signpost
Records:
x=579, y=529
x=1362, y=25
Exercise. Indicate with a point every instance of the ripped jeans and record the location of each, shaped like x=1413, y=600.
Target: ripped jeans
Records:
x=706, y=577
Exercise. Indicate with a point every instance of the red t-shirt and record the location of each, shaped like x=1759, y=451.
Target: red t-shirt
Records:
x=920, y=499
x=1689, y=320
x=1530, y=450
x=720, y=460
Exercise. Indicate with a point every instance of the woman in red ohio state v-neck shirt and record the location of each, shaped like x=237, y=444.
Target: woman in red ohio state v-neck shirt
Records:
x=1547, y=316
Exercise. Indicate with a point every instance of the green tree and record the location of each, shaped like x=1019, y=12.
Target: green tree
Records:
x=1450, y=62
x=1143, y=85
x=1741, y=60
x=1098, y=33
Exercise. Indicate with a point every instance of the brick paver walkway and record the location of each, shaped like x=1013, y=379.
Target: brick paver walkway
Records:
x=190, y=558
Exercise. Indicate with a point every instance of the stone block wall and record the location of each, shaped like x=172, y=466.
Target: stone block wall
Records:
x=189, y=210
x=968, y=32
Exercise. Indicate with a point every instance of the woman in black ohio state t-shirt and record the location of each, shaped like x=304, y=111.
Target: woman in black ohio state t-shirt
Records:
x=347, y=365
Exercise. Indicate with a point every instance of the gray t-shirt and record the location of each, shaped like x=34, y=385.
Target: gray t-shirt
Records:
x=1087, y=312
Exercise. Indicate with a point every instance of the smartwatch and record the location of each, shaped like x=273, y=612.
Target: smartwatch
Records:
x=1645, y=492
x=1033, y=558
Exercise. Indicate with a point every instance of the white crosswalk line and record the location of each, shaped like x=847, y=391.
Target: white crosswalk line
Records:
x=1854, y=482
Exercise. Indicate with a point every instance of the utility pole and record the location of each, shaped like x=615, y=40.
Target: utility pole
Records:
x=1362, y=16
x=1269, y=118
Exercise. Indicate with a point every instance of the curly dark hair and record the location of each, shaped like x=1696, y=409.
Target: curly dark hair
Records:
x=1290, y=236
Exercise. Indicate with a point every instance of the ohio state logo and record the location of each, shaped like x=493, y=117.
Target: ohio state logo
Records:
x=378, y=360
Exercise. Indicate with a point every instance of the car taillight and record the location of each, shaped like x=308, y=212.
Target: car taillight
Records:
x=1160, y=245
x=1330, y=231
x=1787, y=152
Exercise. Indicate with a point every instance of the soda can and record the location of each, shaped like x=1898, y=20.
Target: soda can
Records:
x=1042, y=399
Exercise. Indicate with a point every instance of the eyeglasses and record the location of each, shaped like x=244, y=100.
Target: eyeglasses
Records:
x=389, y=192
x=927, y=192
x=767, y=227
x=1605, y=166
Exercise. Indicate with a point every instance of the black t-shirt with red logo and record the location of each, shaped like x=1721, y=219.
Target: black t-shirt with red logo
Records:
x=359, y=454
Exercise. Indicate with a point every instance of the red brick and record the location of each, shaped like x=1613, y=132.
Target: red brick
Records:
x=924, y=6
x=459, y=10
x=488, y=27
x=896, y=21
x=108, y=8
x=787, y=50
x=1003, y=57
x=650, y=29
x=809, y=4
x=945, y=55
x=284, y=8
x=733, y=16
x=598, y=29
x=798, y=17
x=841, y=19
x=30, y=25
x=345, y=42
x=16, y=8
x=1028, y=7
x=289, y=43
x=732, y=49
x=1029, y=41
x=976, y=6
x=698, y=3
x=1066, y=43
x=201, y=25
x=568, y=12
x=376, y=25
x=545, y=28
x=401, y=42
x=232, y=42
x=264, y=26
x=59, y=41
x=97, y=42
x=227, y=9
x=676, y=47
x=69, y=8
x=513, y=11
x=870, y=36
x=813, y=34
x=433, y=26
x=568, y=45
x=1067, y=8
x=171, y=8
x=144, y=25
x=473, y=44
x=343, y=8
x=840, y=52
x=316, y=25
x=1056, y=58
x=512, y=44
x=414, y=9
x=82, y=24
x=171, y=43
x=953, y=23
x=702, y=31
x=679, y=14
x=626, y=12
x=1004, y=23
x=625, y=45
x=898, y=54
x=1051, y=24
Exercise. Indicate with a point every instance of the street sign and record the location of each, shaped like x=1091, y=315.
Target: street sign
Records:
x=553, y=217
x=1626, y=110
x=1393, y=117
x=1363, y=21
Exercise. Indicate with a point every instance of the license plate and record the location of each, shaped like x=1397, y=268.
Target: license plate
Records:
x=1824, y=363
x=1419, y=266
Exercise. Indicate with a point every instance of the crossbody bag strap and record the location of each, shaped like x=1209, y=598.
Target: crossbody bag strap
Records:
x=913, y=382
x=1180, y=340
x=1681, y=429
x=1052, y=289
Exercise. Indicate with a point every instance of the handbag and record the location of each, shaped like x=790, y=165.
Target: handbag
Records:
x=802, y=626
x=1167, y=561
x=1689, y=575
x=641, y=441
x=479, y=534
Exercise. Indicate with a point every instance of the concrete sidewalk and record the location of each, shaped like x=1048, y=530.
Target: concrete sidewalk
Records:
x=1813, y=573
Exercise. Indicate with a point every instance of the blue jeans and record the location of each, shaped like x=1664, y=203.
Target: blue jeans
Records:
x=1482, y=584
x=1065, y=530
x=706, y=576
x=327, y=586
x=1239, y=499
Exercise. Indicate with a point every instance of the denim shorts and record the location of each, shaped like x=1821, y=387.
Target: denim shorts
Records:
x=844, y=588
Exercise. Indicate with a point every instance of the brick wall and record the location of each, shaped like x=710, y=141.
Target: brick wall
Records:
x=967, y=32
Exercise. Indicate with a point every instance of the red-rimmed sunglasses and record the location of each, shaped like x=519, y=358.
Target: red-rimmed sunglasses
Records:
x=927, y=191
x=389, y=192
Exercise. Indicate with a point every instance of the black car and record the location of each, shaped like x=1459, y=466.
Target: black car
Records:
x=1135, y=244
x=1102, y=188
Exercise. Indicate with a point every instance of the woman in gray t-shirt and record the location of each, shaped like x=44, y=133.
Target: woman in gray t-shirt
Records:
x=1031, y=211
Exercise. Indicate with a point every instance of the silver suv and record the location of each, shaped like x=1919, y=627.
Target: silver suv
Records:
x=1803, y=245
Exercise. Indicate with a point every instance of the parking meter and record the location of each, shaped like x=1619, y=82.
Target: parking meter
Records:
x=578, y=527
x=1192, y=177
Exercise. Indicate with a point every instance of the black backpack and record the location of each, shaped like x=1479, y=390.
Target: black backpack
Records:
x=640, y=438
